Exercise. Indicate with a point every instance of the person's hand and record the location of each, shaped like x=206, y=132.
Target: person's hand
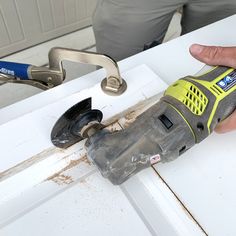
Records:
x=217, y=56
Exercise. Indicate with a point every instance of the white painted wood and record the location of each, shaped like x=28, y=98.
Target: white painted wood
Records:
x=159, y=210
x=162, y=212
x=90, y=207
x=33, y=129
x=19, y=196
x=29, y=201
x=204, y=180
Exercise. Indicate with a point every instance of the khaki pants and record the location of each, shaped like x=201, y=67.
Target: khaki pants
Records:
x=123, y=27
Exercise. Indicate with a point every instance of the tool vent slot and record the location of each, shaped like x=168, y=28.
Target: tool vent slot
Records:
x=195, y=100
x=190, y=95
x=216, y=90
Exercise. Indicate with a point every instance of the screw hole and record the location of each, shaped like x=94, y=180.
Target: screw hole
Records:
x=200, y=126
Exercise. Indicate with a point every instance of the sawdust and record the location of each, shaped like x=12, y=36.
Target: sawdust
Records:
x=114, y=127
x=62, y=179
x=73, y=163
x=131, y=116
x=127, y=117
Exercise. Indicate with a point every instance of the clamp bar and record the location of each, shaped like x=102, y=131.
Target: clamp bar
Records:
x=113, y=84
x=48, y=77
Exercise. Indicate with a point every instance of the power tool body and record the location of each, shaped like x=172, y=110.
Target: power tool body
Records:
x=187, y=113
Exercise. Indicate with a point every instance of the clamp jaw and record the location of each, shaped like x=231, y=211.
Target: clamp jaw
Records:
x=53, y=75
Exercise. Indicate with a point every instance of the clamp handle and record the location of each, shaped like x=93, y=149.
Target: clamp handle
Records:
x=15, y=69
x=40, y=77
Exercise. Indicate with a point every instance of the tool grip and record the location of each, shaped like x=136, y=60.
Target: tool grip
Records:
x=15, y=69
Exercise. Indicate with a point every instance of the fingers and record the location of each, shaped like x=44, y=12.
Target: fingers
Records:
x=227, y=125
x=214, y=55
x=217, y=56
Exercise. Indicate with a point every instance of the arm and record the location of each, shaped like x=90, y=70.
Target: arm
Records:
x=223, y=56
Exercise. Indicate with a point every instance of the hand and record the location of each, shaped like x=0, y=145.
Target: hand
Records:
x=217, y=56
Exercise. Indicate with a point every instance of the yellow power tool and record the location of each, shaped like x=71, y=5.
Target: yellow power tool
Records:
x=187, y=113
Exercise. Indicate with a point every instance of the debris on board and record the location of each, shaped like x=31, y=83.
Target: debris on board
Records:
x=61, y=178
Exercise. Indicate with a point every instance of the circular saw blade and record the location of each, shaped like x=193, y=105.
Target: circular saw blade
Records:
x=68, y=129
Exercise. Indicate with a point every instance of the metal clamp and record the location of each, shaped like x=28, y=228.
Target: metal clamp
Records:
x=48, y=77
x=113, y=84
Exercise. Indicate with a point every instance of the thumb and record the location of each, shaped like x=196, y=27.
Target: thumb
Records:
x=214, y=55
